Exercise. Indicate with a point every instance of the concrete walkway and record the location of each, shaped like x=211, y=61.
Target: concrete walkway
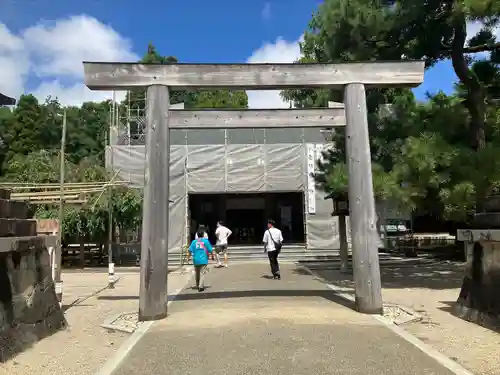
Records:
x=246, y=323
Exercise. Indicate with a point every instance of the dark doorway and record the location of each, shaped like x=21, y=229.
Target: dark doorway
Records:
x=246, y=214
x=248, y=226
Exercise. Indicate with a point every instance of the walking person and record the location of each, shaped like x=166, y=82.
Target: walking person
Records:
x=199, y=249
x=201, y=229
x=273, y=241
x=204, y=230
x=222, y=233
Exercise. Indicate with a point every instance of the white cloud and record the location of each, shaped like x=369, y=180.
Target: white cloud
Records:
x=54, y=52
x=14, y=62
x=281, y=51
x=266, y=12
x=60, y=47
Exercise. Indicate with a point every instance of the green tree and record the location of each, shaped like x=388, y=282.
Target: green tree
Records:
x=86, y=131
x=32, y=127
x=221, y=99
x=25, y=131
x=127, y=209
x=87, y=222
x=36, y=167
x=135, y=100
x=6, y=118
x=42, y=167
x=349, y=30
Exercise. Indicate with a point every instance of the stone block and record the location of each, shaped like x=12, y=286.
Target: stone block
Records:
x=487, y=220
x=13, y=209
x=17, y=227
x=479, y=300
x=24, y=244
x=29, y=310
x=490, y=204
x=4, y=194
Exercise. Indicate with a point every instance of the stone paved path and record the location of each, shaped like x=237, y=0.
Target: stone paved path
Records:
x=246, y=323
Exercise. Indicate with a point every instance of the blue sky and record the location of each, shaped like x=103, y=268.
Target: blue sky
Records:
x=191, y=30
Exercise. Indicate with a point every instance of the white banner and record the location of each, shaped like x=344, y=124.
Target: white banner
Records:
x=311, y=186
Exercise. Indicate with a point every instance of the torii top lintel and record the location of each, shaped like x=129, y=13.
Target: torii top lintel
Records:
x=125, y=76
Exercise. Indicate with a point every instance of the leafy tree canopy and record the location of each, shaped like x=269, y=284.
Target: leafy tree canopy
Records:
x=436, y=156
x=203, y=99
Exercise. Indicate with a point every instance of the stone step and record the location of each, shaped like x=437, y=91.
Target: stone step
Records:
x=4, y=194
x=13, y=209
x=17, y=227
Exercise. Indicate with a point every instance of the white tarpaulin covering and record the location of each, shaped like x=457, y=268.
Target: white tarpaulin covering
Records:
x=228, y=167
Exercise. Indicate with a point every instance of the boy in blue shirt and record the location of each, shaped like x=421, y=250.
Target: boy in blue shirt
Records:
x=199, y=249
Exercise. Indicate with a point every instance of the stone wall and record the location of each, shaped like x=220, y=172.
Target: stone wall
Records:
x=29, y=310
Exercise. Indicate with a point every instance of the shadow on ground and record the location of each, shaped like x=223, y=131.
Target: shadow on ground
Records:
x=450, y=308
x=206, y=295
x=418, y=274
x=104, y=269
x=71, y=305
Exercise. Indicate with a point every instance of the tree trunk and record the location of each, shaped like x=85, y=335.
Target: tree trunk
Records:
x=475, y=92
x=473, y=299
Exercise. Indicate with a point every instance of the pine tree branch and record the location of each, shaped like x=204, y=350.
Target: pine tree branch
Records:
x=476, y=49
x=483, y=48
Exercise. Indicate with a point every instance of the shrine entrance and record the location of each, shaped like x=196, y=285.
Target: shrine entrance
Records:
x=246, y=214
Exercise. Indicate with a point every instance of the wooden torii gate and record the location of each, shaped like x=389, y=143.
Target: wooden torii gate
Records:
x=352, y=78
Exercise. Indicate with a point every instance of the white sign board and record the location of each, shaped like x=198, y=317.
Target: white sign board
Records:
x=311, y=186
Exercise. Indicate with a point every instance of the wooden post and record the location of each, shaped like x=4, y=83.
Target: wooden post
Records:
x=363, y=219
x=59, y=250
x=153, y=296
x=344, y=255
x=111, y=227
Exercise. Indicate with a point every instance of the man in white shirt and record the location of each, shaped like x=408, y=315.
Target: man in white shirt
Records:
x=222, y=233
x=273, y=240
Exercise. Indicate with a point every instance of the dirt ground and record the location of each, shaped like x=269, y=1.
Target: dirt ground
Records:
x=85, y=346
x=431, y=290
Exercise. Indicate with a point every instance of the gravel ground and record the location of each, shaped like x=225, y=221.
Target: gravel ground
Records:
x=399, y=315
x=85, y=346
x=431, y=292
